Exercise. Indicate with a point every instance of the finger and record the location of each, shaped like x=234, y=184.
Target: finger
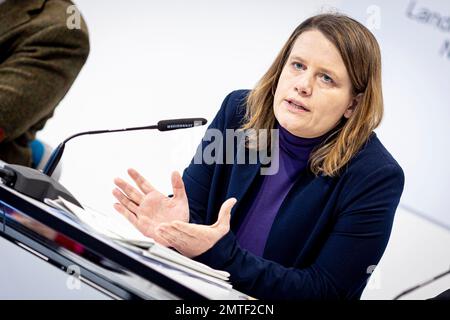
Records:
x=171, y=235
x=177, y=233
x=141, y=182
x=126, y=213
x=178, y=186
x=225, y=213
x=127, y=203
x=189, y=230
x=129, y=190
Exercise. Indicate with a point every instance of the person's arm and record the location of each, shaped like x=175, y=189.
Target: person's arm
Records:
x=356, y=243
x=37, y=75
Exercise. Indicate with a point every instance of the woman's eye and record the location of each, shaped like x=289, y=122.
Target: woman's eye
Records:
x=327, y=78
x=298, y=65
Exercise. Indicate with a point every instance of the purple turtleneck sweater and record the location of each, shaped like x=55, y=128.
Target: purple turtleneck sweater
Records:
x=293, y=158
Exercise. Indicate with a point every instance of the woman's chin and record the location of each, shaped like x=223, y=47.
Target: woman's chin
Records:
x=288, y=121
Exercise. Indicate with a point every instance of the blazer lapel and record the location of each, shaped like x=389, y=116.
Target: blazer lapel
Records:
x=241, y=178
x=16, y=12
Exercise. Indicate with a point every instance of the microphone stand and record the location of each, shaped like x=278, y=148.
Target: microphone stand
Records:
x=40, y=185
x=420, y=285
x=57, y=153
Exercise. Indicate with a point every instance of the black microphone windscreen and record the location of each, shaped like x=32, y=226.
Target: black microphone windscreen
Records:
x=165, y=125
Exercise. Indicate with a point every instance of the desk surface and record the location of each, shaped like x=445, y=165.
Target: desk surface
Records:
x=104, y=265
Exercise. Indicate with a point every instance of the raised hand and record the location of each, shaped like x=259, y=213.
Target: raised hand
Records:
x=146, y=208
x=194, y=239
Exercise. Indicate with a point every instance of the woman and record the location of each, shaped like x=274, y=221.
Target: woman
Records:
x=315, y=228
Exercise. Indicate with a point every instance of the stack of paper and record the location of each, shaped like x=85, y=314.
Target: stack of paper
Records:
x=117, y=227
x=114, y=226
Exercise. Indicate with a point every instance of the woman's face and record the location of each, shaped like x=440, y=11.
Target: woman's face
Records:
x=314, y=90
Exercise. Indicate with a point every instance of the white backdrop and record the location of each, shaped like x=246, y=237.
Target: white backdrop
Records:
x=152, y=60
x=156, y=60
x=415, y=42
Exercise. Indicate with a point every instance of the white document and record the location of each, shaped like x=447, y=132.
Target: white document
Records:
x=117, y=227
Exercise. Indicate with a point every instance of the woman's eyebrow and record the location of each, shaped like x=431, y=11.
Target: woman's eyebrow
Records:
x=324, y=70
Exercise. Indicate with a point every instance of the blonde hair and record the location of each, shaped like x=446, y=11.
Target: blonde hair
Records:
x=361, y=55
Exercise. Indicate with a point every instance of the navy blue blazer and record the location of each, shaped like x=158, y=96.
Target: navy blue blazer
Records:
x=328, y=235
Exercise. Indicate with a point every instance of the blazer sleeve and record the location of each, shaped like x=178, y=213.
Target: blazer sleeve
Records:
x=37, y=75
x=197, y=177
x=354, y=245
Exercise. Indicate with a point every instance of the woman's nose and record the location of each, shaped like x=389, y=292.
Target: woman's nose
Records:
x=303, y=85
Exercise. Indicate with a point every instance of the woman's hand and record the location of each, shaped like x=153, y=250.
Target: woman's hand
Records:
x=194, y=239
x=147, y=208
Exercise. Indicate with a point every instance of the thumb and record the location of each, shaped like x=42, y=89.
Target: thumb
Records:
x=224, y=217
x=178, y=185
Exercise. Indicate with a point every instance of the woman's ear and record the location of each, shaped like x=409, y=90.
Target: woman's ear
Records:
x=354, y=103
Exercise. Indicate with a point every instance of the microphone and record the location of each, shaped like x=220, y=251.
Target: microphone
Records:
x=40, y=185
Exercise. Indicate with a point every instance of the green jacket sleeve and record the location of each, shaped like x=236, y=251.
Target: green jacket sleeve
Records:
x=43, y=63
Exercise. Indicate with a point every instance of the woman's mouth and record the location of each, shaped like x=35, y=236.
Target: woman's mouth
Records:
x=294, y=106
